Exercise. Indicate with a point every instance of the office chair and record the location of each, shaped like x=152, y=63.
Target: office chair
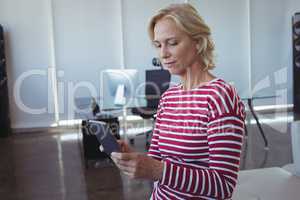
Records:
x=157, y=82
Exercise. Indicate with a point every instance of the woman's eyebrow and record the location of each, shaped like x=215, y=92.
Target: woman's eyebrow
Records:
x=167, y=39
x=155, y=43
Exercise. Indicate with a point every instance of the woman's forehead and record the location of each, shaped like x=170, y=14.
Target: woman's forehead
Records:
x=166, y=28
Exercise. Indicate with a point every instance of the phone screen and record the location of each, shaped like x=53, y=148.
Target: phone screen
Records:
x=103, y=133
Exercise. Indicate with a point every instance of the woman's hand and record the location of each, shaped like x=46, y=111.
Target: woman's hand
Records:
x=124, y=146
x=138, y=165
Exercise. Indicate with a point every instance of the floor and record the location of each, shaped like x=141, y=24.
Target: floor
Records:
x=49, y=165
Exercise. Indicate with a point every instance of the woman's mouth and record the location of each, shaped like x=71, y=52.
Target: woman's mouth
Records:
x=169, y=64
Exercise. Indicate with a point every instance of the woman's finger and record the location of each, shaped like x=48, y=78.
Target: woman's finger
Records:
x=130, y=175
x=115, y=160
x=122, y=145
x=123, y=163
x=126, y=163
x=123, y=156
x=127, y=169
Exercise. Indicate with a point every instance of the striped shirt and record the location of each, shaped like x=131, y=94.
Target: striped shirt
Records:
x=198, y=136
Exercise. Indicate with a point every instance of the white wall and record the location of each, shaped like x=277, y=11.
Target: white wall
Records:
x=27, y=40
x=87, y=40
x=271, y=49
x=137, y=46
x=229, y=23
x=264, y=47
x=138, y=49
x=88, y=37
x=93, y=35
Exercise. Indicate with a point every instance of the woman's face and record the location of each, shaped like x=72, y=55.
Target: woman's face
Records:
x=176, y=50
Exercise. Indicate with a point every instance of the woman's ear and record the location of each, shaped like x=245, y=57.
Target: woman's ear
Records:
x=198, y=47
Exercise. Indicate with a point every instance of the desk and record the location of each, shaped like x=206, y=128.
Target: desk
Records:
x=267, y=184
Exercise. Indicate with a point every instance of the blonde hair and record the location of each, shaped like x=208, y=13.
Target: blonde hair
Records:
x=188, y=19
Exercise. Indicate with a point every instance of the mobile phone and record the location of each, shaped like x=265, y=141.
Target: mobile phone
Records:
x=103, y=134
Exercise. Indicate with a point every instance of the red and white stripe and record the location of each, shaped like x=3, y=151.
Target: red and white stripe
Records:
x=198, y=136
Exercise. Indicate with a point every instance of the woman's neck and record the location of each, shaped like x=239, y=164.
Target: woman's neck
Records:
x=195, y=77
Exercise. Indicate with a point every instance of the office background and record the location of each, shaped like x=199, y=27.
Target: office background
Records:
x=78, y=39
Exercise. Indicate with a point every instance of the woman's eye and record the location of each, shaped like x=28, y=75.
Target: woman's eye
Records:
x=156, y=45
x=172, y=43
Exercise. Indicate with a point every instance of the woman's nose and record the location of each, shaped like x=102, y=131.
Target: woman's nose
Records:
x=164, y=52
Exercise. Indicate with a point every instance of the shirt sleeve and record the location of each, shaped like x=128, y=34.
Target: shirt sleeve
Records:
x=153, y=149
x=225, y=130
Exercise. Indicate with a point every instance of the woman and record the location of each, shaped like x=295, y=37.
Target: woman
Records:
x=197, y=139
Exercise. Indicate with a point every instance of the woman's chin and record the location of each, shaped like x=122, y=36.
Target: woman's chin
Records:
x=174, y=71
x=171, y=70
